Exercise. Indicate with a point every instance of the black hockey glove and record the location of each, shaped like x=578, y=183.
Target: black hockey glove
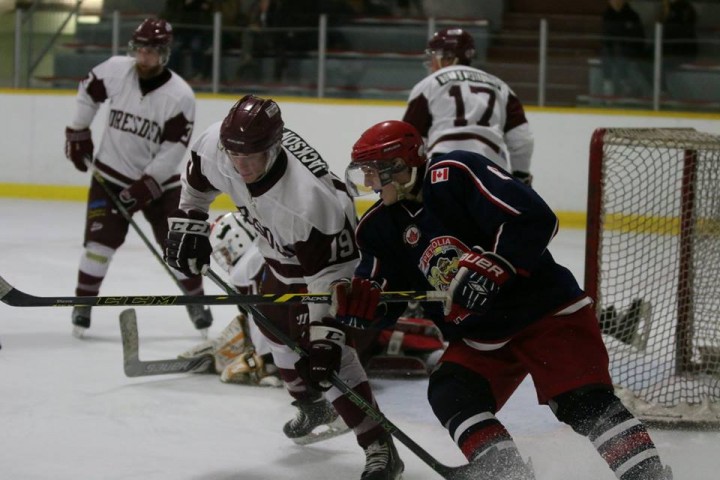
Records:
x=188, y=244
x=524, y=177
x=79, y=147
x=140, y=193
x=354, y=303
x=324, y=349
x=478, y=281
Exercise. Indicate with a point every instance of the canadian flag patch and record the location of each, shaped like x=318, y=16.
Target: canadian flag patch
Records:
x=439, y=175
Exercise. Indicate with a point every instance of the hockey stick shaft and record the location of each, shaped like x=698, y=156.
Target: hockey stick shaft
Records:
x=17, y=298
x=354, y=397
x=128, y=217
x=134, y=367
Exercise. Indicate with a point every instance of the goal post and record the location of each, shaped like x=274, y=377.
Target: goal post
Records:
x=652, y=265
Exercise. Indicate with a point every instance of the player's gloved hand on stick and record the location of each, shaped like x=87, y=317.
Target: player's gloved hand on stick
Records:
x=326, y=339
x=355, y=303
x=524, y=177
x=188, y=244
x=79, y=147
x=478, y=281
x=140, y=193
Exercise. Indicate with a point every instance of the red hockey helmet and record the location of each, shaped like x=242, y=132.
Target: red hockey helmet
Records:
x=385, y=148
x=253, y=125
x=453, y=43
x=389, y=140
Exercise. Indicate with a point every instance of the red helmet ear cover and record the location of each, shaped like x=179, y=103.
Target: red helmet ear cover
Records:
x=253, y=125
x=154, y=32
x=454, y=42
x=389, y=140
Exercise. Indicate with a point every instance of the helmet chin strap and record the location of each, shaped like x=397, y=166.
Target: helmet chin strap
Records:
x=404, y=190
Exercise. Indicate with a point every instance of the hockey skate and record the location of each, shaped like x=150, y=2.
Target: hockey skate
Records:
x=506, y=464
x=624, y=326
x=382, y=461
x=311, y=415
x=201, y=317
x=80, y=320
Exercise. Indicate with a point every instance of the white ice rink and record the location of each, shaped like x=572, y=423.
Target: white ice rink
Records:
x=67, y=411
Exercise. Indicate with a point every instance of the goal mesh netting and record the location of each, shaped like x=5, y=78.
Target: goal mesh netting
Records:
x=653, y=266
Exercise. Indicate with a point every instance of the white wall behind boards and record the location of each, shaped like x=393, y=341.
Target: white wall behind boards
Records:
x=32, y=137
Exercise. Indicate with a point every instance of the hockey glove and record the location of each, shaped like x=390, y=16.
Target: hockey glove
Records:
x=78, y=147
x=188, y=244
x=478, y=281
x=326, y=340
x=524, y=177
x=140, y=193
x=355, y=303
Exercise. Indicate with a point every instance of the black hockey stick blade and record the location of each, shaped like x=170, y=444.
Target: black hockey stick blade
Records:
x=16, y=298
x=134, y=367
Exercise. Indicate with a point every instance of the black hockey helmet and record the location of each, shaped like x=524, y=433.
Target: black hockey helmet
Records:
x=452, y=43
x=253, y=125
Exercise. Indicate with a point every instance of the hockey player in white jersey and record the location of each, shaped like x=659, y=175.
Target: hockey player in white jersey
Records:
x=149, y=124
x=305, y=223
x=458, y=107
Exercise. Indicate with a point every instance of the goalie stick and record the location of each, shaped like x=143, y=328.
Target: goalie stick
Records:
x=134, y=367
x=16, y=298
x=462, y=472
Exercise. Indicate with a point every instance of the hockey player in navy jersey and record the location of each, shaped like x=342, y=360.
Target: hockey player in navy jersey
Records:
x=149, y=124
x=305, y=221
x=463, y=225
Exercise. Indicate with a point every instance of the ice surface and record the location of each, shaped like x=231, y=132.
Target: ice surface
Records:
x=68, y=412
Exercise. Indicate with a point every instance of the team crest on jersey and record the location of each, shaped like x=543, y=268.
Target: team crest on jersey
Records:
x=440, y=175
x=439, y=261
x=411, y=235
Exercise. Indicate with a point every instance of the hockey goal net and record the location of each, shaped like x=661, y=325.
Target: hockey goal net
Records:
x=653, y=266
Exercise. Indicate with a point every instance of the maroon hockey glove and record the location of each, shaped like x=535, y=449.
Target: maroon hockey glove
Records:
x=355, y=303
x=326, y=340
x=524, y=177
x=478, y=281
x=79, y=147
x=140, y=193
x=188, y=244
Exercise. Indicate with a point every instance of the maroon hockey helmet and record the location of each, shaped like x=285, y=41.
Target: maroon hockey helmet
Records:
x=253, y=125
x=153, y=32
x=389, y=140
x=453, y=43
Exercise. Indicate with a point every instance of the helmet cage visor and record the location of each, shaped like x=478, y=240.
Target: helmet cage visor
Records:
x=163, y=51
x=369, y=176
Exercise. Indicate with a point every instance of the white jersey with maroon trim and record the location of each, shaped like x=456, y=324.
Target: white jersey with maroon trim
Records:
x=464, y=108
x=304, y=217
x=149, y=123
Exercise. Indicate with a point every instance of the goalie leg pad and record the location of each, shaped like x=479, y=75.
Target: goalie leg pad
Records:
x=225, y=348
x=249, y=368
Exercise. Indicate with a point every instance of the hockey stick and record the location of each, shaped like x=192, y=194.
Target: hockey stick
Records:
x=134, y=367
x=451, y=473
x=17, y=298
x=128, y=217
